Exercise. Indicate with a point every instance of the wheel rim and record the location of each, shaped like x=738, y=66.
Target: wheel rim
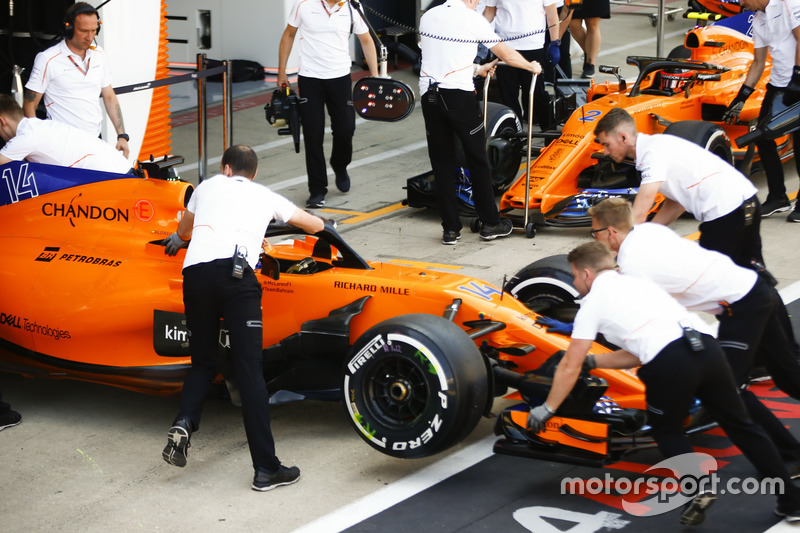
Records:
x=398, y=393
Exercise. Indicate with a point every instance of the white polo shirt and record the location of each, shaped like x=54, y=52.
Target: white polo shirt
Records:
x=449, y=37
x=704, y=184
x=230, y=212
x=56, y=143
x=632, y=313
x=324, y=34
x=521, y=17
x=773, y=28
x=697, y=278
x=71, y=85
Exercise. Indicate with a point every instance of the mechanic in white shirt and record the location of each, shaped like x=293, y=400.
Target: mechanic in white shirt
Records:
x=53, y=143
x=224, y=223
x=752, y=317
x=776, y=32
x=449, y=38
x=679, y=362
x=692, y=179
x=323, y=81
x=522, y=25
x=73, y=75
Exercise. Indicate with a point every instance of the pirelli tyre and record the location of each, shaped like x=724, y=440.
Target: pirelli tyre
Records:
x=545, y=286
x=415, y=385
x=706, y=134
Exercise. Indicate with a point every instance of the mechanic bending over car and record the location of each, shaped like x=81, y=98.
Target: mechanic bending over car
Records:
x=677, y=359
x=223, y=227
x=449, y=38
x=53, y=143
x=776, y=29
x=751, y=314
x=692, y=179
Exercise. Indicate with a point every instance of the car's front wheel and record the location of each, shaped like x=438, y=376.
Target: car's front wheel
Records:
x=415, y=385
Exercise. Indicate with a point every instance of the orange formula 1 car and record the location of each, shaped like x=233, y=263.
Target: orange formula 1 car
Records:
x=683, y=97
x=417, y=355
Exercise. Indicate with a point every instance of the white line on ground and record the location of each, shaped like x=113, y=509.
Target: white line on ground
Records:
x=398, y=491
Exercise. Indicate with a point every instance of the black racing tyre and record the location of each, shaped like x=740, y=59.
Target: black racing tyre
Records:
x=504, y=156
x=415, y=385
x=680, y=52
x=706, y=134
x=545, y=286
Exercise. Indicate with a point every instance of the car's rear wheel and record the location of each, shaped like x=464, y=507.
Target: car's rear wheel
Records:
x=706, y=134
x=415, y=385
x=545, y=286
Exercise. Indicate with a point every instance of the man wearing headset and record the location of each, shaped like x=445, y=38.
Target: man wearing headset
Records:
x=324, y=82
x=71, y=74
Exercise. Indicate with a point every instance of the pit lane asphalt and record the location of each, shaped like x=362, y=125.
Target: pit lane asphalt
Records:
x=87, y=457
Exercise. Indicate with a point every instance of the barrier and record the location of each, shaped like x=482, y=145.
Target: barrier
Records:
x=200, y=75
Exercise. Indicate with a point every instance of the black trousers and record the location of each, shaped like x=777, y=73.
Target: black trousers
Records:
x=210, y=293
x=754, y=325
x=456, y=113
x=737, y=234
x=768, y=150
x=337, y=96
x=515, y=83
x=675, y=377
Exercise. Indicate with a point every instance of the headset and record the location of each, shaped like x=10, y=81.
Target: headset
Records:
x=80, y=8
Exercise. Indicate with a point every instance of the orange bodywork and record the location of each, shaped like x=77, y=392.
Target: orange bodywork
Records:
x=554, y=174
x=86, y=288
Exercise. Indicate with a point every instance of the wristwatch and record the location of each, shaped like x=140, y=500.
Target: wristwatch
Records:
x=124, y=136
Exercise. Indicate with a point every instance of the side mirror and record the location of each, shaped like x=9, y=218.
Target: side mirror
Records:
x=270, y=267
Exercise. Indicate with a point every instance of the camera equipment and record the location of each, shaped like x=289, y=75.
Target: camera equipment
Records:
x=283, y=112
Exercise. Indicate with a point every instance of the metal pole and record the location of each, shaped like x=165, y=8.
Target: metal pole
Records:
x=202, y=126
x=660, y=29
x=227, y=104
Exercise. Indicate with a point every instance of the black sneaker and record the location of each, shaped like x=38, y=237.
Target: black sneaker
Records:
x=284, y=476
x=794, y=216
x=342, y=181
x=790, y=515
x=176, y=450
x=505, y=227
x=773, y=205
x=588, y=70
x=9, y=419
x=315, y=201
x=451, y=237
x=695, y=511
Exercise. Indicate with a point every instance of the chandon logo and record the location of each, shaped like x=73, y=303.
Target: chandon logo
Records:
x=90, y=212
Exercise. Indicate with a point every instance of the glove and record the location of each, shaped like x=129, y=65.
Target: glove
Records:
x=538, y=416
x=173, y=243
x=555, y=326
x=731, y=115
x=554, y=52
x=791, y=95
